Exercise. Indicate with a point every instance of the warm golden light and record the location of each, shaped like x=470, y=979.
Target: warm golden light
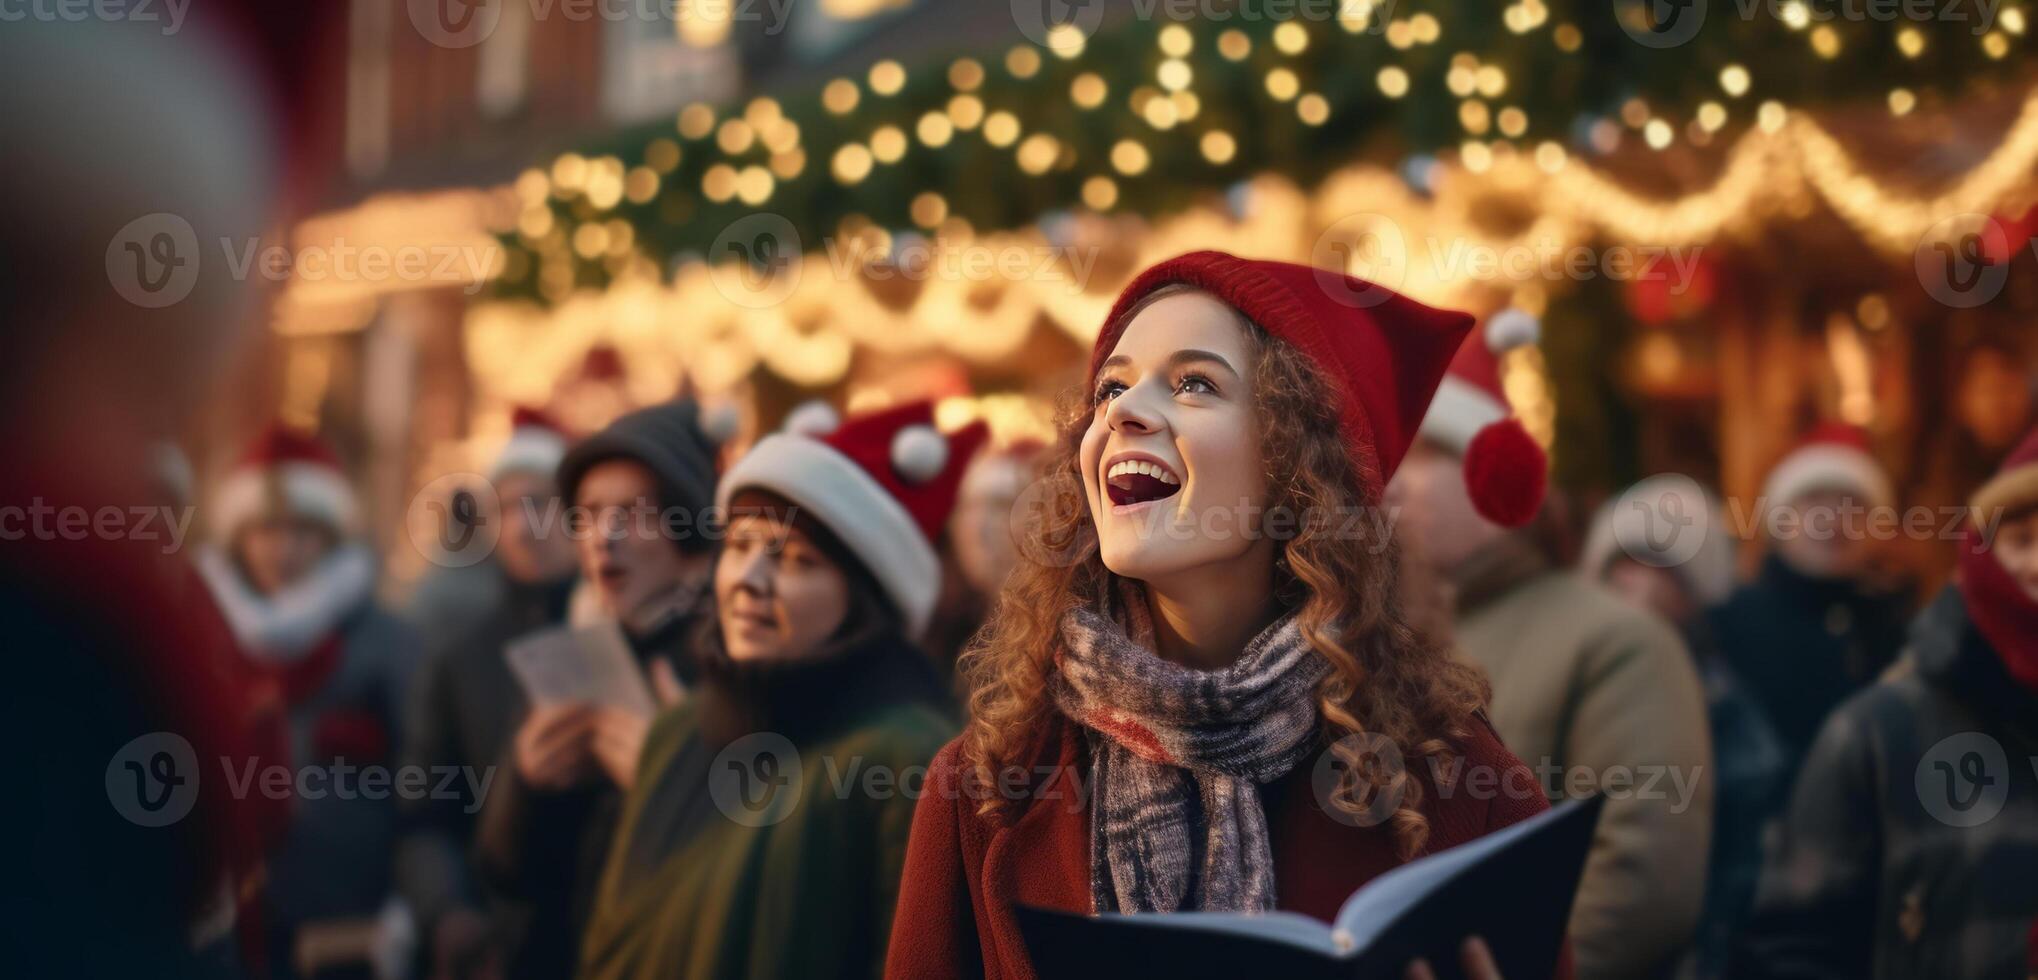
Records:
x=1218, y=147
x=840, y=96
x=852, y=163
x=1393, y=81
x=1100, y=193
x=887, y=77
x=1129, y=158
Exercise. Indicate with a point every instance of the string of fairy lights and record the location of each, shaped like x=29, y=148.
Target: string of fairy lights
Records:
x=1147, y=117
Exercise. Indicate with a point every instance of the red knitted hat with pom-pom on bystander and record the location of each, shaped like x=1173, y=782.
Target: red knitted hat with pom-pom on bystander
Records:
x=1506, y=471
x=883, y=483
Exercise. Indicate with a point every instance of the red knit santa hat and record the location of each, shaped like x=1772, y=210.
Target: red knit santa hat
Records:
x=288, y=471
x=1830, y=456
x=884, y=483
x=1505, y=470
x=537, y=443
x=1383, y=350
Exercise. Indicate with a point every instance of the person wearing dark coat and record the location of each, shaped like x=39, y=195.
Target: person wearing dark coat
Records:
x=1814, y=626
x=1910, y=841
x=640, y=492
x=467, y=704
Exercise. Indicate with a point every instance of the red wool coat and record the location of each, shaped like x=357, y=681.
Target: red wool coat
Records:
x=965, y=872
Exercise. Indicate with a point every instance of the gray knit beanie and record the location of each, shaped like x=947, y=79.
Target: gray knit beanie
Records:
x=667, y=439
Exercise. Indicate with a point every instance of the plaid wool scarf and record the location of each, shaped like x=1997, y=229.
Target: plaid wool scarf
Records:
x=1177, y=756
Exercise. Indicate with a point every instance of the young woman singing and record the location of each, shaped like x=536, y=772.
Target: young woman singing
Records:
x=1198, y=691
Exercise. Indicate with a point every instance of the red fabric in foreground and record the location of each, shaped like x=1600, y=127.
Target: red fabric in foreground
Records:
x=965, y=873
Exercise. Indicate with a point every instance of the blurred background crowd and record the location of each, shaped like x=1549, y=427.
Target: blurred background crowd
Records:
x=352, y=290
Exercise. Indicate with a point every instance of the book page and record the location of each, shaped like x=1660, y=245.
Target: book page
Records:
x=589, y=664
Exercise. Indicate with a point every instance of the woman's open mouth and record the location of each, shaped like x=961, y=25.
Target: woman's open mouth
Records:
x=1135, y=480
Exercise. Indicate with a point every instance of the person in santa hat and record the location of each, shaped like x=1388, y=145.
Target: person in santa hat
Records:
x=827, y=577
x=1638, y=549
x=1908, y=845
x=641, y=493
x=1205, y=608
x=1819, y=621
x=467, y=704
x=1585, y=688
x=296, y=583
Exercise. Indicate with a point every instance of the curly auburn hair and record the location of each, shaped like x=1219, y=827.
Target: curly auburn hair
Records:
x=1387, y=680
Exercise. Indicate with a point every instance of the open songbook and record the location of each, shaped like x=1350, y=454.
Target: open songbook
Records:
x=1513, y=887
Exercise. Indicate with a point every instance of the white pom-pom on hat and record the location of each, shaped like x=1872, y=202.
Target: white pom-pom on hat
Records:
x=1511, y=328
x=814, y=419
x=919, y=453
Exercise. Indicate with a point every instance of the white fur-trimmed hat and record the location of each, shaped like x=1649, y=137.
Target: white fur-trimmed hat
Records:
x=884, y=484
x=1831, y=456
x=286, y=471
x=537, y=443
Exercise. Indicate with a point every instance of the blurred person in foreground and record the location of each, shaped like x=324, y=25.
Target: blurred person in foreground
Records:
x=1816, y=624
x=467, y=705
x=297, y=583
x=1204, y=618
x=1910, y=842
x=827, y=570
x=1664, y=546
x=1592, y=694
x=124, y=679
x=640, y=491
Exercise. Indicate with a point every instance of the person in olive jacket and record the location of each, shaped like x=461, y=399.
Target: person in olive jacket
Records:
x=768, y=822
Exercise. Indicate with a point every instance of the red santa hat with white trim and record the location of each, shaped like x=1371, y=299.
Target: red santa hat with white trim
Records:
x=1506, y=472
x=883, y=483
x=537, y=442
x=285, y=471
x=1831, y=456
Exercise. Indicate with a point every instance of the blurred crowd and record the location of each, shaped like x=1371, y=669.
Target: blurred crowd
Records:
x=1808, y=773
x=1811, y=771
